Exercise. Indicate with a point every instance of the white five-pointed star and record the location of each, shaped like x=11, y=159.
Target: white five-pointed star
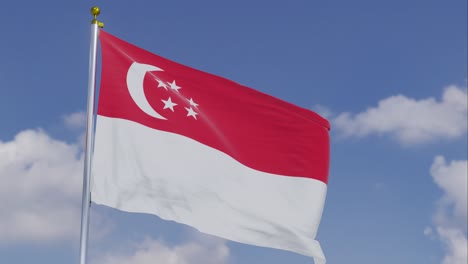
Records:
x=169, y=104
x=162, y=84
x=192, y=103
x=191, y=113
x=174, y=86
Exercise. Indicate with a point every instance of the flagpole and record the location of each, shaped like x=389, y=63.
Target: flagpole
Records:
x=86, y=196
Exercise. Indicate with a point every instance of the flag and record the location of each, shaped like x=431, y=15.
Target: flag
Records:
x=201, y=150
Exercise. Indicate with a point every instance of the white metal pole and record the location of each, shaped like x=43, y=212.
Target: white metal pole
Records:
x=86, y=199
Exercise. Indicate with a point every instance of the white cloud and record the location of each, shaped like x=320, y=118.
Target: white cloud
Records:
x=323, y=111
x=205, y=251
x=450, y=217
x=411, y=121
x=456, y=244
x=41, y=185
x=41, y=181
x=428, y=231
x=453, y=180
x=75, y=120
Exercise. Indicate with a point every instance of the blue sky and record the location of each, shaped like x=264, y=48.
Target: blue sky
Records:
x=391, y=76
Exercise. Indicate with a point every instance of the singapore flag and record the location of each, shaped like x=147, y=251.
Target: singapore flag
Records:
x=198, y=149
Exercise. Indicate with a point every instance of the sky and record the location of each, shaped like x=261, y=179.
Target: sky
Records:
x=390, y=76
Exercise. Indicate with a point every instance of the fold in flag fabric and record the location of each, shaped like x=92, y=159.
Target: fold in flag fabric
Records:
x=200, y=150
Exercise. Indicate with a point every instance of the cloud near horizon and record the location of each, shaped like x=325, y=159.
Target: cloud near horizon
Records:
x=149, y=251
x=410, y=121
x=450, y=216
x=75, y=120
x=41, y=185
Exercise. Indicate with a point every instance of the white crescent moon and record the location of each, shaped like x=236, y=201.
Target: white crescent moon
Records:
x=135, y=77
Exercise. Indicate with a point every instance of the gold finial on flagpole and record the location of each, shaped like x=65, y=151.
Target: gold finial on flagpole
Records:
x=95, y=11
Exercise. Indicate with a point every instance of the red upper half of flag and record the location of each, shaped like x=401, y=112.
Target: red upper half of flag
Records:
x=258, y=130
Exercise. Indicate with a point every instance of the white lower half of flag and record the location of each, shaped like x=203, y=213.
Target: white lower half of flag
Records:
x=140, y=169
